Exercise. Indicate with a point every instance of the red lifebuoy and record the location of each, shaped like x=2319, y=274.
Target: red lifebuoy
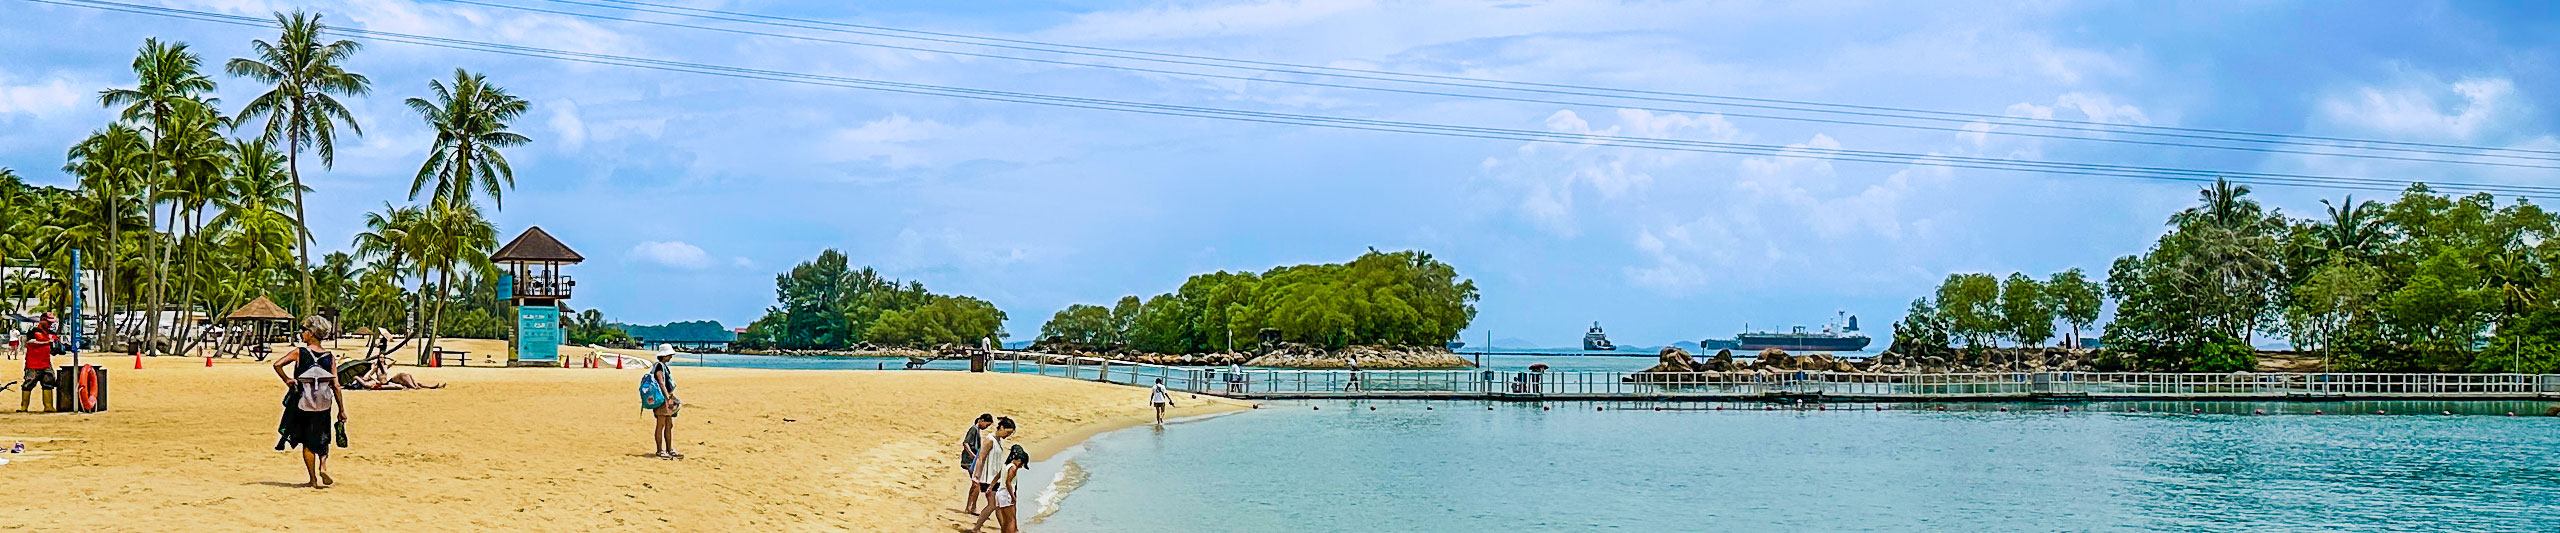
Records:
x=87, y=390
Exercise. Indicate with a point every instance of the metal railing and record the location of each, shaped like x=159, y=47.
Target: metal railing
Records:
x=1480, y=384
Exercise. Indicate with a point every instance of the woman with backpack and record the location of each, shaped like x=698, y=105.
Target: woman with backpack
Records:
x=658, y=395
x=311, y=394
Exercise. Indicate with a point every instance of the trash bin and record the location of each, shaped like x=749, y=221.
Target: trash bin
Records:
x=80, y=389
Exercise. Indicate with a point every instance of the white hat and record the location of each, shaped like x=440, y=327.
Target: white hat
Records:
x=666, y=351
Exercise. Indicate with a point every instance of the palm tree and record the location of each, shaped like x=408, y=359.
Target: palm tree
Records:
x=456, y=235
x=300, y=109
x=200, y=161
x=255, y=230
x=393, y=240
x=2354, y=231
x=470, y=118
x=169, y=82
x=110, y=164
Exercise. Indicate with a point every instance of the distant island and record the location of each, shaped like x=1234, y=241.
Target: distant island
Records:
x=687, y=331
x=1379, y=310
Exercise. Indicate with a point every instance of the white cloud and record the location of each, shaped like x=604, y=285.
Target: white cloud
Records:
x=1548, y=175
x=675, y=254
x=901, y=142
x=569, y=130
x=44, y=99
x=1177, y=22
x=2420, y=109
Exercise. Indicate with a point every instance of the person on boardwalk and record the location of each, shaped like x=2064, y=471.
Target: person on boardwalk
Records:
x=311, y=394
x=666, y=412
x=991, y=447
x=1158, y=398
x=969, y=458
x=1006, y=492
x=39, y=347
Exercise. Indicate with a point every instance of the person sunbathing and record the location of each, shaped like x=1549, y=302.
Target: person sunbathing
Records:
x=381, y=379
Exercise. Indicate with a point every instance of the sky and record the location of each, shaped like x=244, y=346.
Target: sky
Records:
x=688, y=193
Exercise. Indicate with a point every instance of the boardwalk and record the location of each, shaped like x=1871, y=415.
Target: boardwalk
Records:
x=1258, y=383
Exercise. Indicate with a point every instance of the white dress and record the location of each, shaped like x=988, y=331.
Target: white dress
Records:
x=990, y=460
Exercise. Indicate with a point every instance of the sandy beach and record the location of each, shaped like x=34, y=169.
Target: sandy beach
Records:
x=187, y=447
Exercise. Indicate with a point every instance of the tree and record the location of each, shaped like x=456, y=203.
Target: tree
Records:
x=301, y=108
x=457, y=238
x=470, y=119
x=2354, y=231
x=169, y=83
x=1079, y=326
x=1379, y=298
x=1924, y=331
x=2025, y=310
x=111, y=165
x=2339, y=295
x=394, y=238
x=945, y=320
x=1971, y=305
x=1124, y=319
x=2075, y=299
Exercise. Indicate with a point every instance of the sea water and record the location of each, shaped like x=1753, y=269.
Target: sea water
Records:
x=1557, y=363
x=1565, y=466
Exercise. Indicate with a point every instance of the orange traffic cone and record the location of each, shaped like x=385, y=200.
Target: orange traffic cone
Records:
x=208, y=361
x=137, y=360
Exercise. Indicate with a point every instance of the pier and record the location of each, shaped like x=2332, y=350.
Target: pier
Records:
x=1266, y=383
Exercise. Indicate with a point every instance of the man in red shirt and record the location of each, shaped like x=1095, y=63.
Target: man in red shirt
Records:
x=39, y=364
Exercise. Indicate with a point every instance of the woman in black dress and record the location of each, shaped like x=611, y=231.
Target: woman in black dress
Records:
x=307, y=424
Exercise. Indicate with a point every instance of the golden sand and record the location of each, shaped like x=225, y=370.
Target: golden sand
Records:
x=190, y=448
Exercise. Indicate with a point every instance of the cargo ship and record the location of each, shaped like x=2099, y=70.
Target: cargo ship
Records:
x=1840, y=337
x=1596, y=340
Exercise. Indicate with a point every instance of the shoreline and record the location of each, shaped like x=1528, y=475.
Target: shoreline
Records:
x=1065, y=475
x=187, y=446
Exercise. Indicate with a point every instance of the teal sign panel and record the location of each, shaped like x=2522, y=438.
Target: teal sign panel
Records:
x=537, y=334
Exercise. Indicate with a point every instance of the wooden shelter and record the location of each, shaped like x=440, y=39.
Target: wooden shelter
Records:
x=533, y=282
x=262, y=314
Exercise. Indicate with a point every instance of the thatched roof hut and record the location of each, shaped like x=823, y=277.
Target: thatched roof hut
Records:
x=259, y=309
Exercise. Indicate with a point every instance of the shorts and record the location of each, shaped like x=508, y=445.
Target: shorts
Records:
x=37, y=377
x=1004, y=498
x=668, y=410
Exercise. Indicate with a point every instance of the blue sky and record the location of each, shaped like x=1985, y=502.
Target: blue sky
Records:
x=688, y=193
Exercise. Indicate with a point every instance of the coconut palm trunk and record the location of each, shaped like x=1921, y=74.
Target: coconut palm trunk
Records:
x=435, y=325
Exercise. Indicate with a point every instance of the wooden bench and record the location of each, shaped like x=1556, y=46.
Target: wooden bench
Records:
x=459, y=357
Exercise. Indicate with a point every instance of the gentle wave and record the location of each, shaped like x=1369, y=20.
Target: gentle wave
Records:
x=1071, y=476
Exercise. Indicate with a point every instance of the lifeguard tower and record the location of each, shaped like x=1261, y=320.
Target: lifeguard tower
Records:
x=530, y=278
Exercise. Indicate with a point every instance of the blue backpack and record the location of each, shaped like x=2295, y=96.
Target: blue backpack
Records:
x=652, y=395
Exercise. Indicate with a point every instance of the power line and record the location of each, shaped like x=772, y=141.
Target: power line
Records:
x=2336, y=182
x=1557, y=102
x=1549, y=88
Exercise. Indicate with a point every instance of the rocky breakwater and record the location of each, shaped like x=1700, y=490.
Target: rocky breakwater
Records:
x=862, y=351
x=1193, y=359
x=1986, y=360
x=1359, y=357
x=1675, y=366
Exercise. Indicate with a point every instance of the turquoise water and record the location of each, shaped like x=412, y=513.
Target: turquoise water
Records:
x=1496, y=362
x=783, y=362
x=1460, y=467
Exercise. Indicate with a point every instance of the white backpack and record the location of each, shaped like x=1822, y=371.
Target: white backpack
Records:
x=318, y=394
